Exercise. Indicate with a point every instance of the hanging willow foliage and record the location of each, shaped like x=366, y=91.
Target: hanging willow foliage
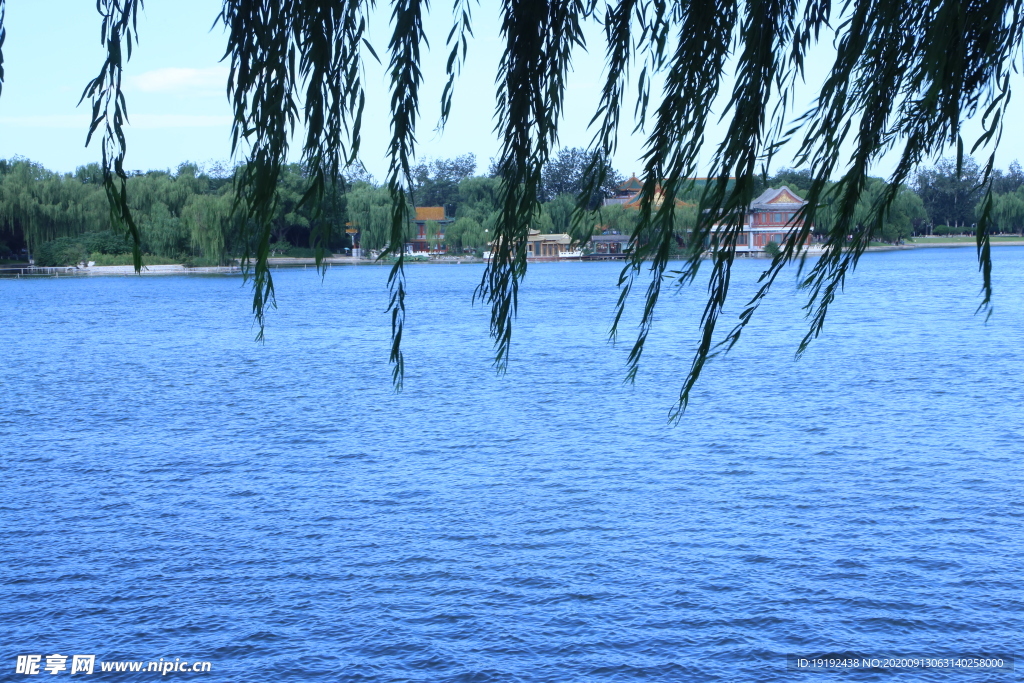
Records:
x=117, y=35
x=906, y=74
x=3, y=35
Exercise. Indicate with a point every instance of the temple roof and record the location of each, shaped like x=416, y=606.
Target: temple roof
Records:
x=781, y=198
x=557, y=237
x=430, y=213
x=659, y=199
x=634, y=184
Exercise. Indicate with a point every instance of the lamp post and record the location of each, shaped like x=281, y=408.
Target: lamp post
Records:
x=352, y=229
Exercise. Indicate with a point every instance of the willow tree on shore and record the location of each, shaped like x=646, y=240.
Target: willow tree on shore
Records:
x=45, y=205
x=905, y=76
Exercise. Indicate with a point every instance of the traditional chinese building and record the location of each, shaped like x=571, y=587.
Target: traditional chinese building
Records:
x=608, y=246
x=547, y=246
x=626, y=193
x=422, y=240
x=770, y=218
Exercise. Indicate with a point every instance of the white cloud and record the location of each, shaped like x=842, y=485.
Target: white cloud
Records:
x=209, y=81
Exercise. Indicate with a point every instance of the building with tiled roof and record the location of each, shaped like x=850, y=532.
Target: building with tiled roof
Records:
x=548, y=246
x=770, y=218
x=422, y=240
x=610, y=245
x=430, y=213
x=628, y=194
x=781, y=199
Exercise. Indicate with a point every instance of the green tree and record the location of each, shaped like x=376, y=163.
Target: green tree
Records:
x=435, y=236
x=542, y=222
x=1008, y=181
x=950, y=194
x=575, y=171
x=463, y=234
x=1008, y=211
x=436, y=183
x=207, y=219
x=615, y=218
x=898, y=222
x=63, y=251
x=561, y=209
x=904, y=215
x=164, y=232
x=38, y=205
x=370, y=211
x=291, y=219
x=478, y=197
x=798, y=180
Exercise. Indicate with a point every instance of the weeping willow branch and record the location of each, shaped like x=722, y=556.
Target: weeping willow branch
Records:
x=407, y=35
x=461, y=31
x=704, y=35
x=539, y=40
x=109, y=111
x=905, y=76
x=3, y=36
x=329, y=37
x=261, y=86
x=904, y=73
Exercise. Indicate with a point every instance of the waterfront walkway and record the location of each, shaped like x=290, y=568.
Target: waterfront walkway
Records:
x=286, y=262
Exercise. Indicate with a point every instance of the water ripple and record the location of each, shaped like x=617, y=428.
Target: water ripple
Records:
x=172, y=489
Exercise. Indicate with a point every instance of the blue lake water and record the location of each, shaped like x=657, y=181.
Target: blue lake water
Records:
x=172, y=489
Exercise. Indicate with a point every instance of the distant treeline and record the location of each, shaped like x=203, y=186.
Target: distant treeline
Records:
x=940, y=201
x=186, y=215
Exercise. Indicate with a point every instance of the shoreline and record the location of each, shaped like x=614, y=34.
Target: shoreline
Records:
x=15, y=272
x=941, y=245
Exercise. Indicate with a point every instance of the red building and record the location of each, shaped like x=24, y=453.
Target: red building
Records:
x=770, y=218
x=422, y=240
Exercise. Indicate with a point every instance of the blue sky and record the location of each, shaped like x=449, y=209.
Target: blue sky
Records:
x=175, y=86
